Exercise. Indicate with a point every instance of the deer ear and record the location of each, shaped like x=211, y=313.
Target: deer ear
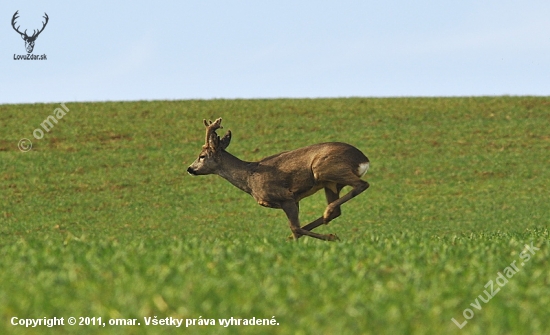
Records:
x=224, y=142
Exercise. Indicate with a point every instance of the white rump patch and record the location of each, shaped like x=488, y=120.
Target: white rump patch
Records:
x=363, y=168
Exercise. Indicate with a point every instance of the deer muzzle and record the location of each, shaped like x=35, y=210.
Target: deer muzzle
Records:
x=192, y=171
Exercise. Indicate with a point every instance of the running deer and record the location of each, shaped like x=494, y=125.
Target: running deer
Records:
x=282, y=180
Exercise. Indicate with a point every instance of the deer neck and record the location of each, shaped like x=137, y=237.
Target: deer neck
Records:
x=236, y=171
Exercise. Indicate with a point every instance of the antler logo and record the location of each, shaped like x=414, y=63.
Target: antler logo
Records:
x=29, y=40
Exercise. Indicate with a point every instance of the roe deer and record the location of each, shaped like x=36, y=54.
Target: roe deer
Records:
x=282, y=180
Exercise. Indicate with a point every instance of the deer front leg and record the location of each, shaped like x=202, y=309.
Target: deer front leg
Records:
x=291, y=211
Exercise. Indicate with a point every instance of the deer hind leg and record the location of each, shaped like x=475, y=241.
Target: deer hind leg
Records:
x=334, y=207
x=332, y=193
x=332, y=197
x=291, y=211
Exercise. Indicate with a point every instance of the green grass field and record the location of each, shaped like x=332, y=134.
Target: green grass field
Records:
x=100, y=219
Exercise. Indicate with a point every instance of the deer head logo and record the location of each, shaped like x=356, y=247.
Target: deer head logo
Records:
x=29, y=40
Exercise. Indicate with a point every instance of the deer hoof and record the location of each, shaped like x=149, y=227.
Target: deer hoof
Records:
x=332, y=237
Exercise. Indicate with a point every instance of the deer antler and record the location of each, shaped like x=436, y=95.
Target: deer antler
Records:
x=15, y=17
x=35, y=34
x=212, y=138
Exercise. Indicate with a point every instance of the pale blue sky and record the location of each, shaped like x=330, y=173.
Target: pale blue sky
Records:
x=114, y=50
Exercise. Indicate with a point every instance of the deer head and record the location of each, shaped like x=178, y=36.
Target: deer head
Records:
x=209, y=158
x=29, y=40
